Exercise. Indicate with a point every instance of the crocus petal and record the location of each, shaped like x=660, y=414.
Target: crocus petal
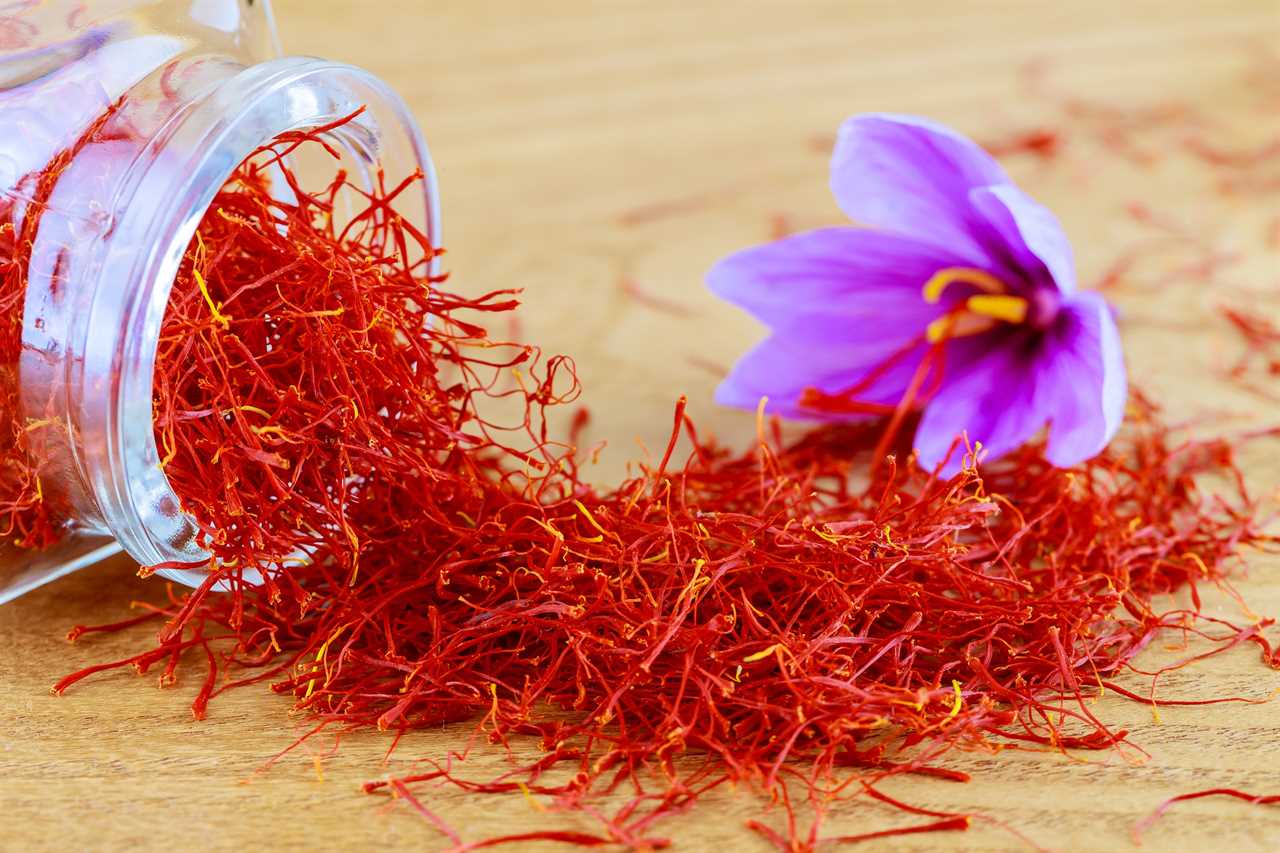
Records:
x=840, y=302
x=782, y=367
x=912, y=176
x=1082, y=385
x=852, y=276
x=1032, y=234
x=991, y=401
x=1071, y=378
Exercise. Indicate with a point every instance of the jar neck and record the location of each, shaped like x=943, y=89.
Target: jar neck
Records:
x=110, y=248
x=65, y=62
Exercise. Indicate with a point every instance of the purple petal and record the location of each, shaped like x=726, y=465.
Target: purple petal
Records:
x=1031, y=232
x=990, y=400
x=1082, y=383
x=841, y=302
x=849, y=276
x=913, y=176
x=782, y=367
x=1071, y=378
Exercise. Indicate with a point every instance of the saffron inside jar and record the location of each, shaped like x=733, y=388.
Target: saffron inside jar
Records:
x=27, y=520
x=301, y=404
x=36, y=244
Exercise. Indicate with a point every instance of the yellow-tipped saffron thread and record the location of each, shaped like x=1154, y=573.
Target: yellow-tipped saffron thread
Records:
x=762, y=654
x=591, y=519
x=321, y=660
x=215, y=309
x=528, y=798
x=761, y=407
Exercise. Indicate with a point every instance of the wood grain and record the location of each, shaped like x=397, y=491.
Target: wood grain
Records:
x=587, y=144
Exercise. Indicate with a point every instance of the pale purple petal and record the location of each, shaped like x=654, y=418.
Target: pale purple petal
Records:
x=912, y=176
x=1082, y=385
x=840, y=302
x=868, y=281
x=1070, y=377
x=783, y=367
x=1032, y=234
x=991, y=400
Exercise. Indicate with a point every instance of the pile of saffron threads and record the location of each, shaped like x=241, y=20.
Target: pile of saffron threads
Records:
x=774, y=618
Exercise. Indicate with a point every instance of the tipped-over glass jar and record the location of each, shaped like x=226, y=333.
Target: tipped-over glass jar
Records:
x=119, y=122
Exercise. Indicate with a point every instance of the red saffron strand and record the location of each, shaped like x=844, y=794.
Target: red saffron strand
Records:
x=80, y=630
x=576, y=839
x=953, y=824
x=405, y=794
x=1150, y=820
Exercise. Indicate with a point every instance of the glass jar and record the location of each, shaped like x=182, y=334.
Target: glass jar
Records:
x=119, y=122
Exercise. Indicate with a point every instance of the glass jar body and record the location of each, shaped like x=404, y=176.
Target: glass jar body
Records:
x=121, y=122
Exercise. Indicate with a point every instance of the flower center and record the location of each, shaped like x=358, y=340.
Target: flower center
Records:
x=981, y=312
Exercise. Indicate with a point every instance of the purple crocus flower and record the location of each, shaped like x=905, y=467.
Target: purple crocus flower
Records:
x=958, y=298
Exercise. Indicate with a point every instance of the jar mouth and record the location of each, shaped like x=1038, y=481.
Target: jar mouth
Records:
x=184, y=167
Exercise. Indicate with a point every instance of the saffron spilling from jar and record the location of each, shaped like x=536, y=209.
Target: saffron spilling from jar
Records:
x=324, y=410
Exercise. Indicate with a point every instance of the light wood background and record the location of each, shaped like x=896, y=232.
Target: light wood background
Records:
x=587, y=144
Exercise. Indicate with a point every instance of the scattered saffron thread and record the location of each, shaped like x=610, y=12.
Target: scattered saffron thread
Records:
x=1146, y=823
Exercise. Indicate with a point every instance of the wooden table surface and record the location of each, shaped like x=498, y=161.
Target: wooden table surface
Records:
x=603, y=155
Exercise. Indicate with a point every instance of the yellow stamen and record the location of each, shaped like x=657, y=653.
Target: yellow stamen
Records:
x=942, y=279
x=981, y=313
x=1011, y=309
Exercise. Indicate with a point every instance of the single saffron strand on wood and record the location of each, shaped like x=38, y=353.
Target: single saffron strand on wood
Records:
x=1147, y=822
